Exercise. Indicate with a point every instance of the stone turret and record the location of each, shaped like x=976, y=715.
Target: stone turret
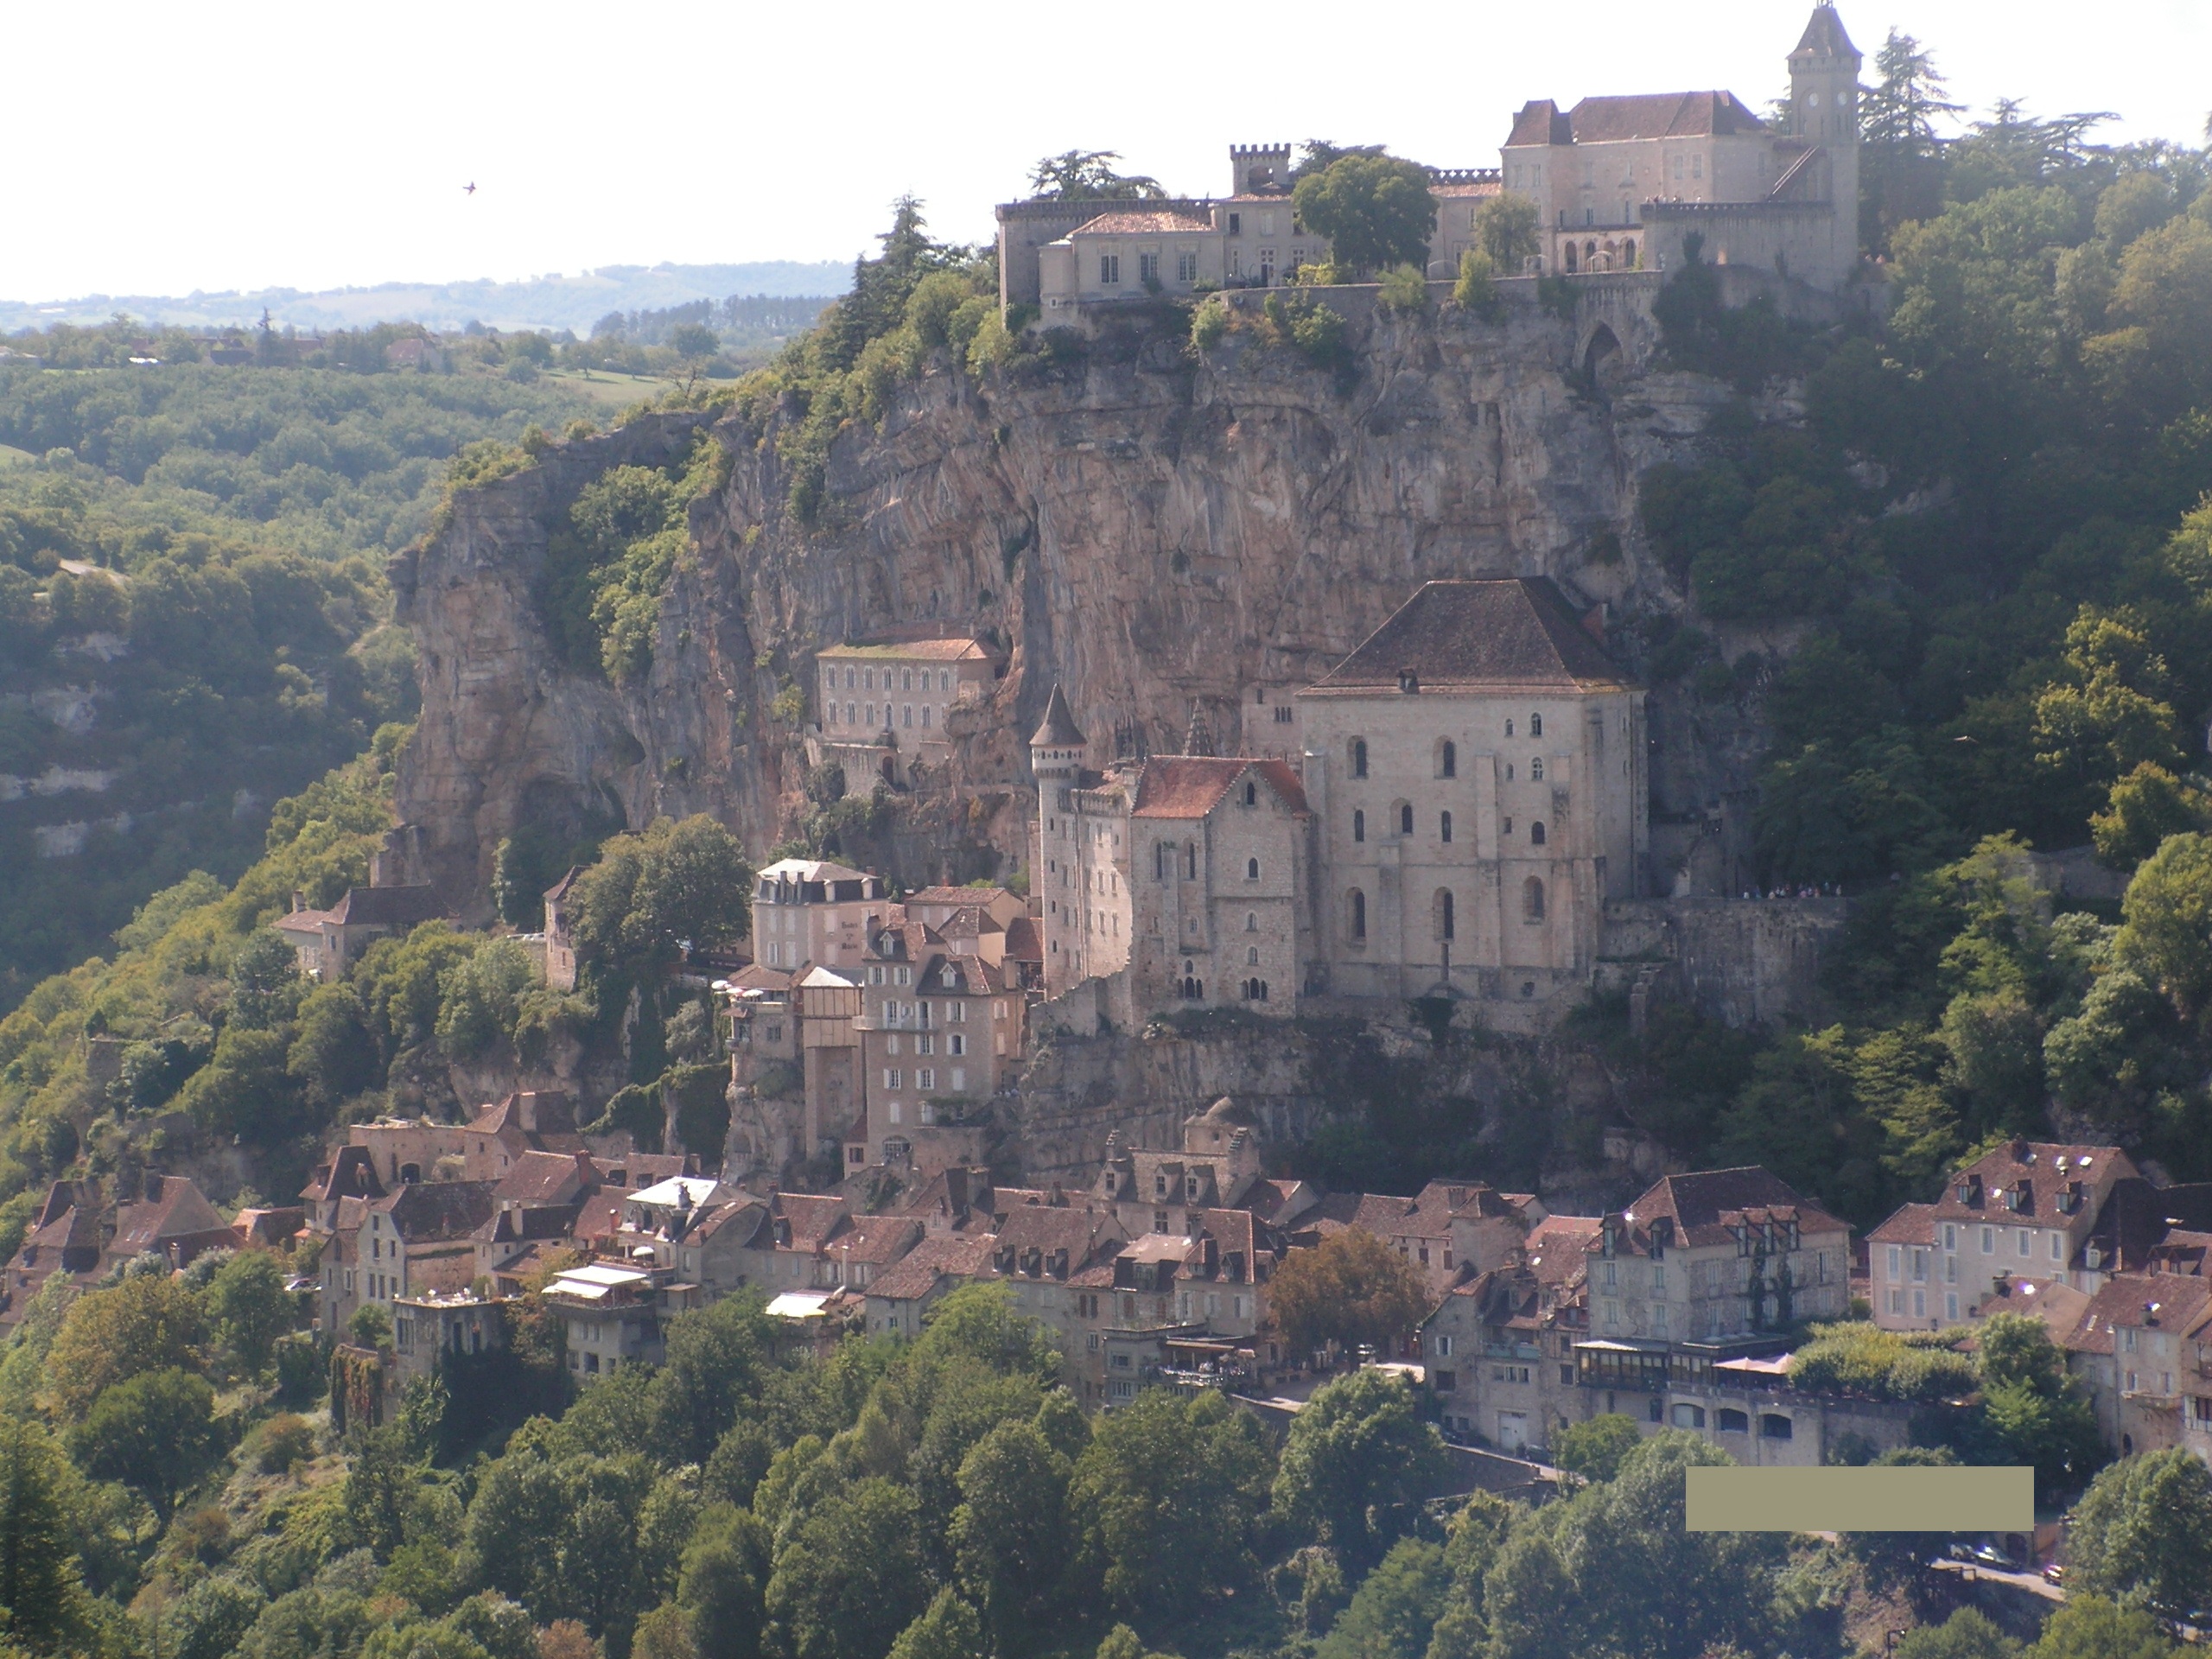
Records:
x=1055, y=751
x=1824, y=102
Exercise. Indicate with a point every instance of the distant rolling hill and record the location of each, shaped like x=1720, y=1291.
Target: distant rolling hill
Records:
x=550, y=303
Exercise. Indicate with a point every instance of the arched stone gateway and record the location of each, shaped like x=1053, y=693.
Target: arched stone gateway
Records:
x=1601, y=360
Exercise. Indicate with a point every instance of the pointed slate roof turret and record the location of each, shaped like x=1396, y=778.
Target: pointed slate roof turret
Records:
x=1198, y=737
x=1058, y=730
x=1824, y=36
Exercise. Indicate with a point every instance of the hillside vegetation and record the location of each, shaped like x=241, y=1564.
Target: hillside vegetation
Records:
x=193, y=612
x=1990, y=544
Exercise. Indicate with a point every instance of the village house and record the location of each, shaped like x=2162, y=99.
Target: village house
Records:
x=809, y=911
x=560, y=932
x=939, y=1028
x=2143, y=1350
x=65, y=1237
x=1498, y=1348
x=899, y=1298
x=1105, y=253
x=166, y=1216
x=1217, y=1168
x=885, y=707
x=431, y=1326
x=1449, y=1230
x=1187, y=876
x=328, y=942
x=419, y=1238
x=2028, y=1210
x=616, y=1315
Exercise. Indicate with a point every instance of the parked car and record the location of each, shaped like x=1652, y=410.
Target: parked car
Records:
x=1989, y=1555
x=2054, y=1574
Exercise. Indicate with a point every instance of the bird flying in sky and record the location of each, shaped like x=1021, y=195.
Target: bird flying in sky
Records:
x=469, y=188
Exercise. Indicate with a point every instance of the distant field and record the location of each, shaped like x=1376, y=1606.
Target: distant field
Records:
x=10, y=456
x=604, y=387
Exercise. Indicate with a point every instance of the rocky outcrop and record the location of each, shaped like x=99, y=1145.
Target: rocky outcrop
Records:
x=1152, y=530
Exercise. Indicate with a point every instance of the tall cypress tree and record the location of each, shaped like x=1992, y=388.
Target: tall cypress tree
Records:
x=38, y=1572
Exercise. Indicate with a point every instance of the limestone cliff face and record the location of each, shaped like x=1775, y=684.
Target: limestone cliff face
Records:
x=1150, y=529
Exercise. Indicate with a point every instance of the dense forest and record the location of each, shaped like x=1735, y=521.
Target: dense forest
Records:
x=193, y=608
x=1991, y=542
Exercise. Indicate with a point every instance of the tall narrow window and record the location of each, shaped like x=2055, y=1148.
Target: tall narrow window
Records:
x=1358, y=825
x=1535, y=832
x=1162, y=857
x=1536, y=770
x=1358, y=907
x=1406, y=819
x=1191, y=860
x=1445, y=918
x=1448, y=759
x=1251, y=869
x=1532, y=899
x=1359, y=757
x=1535, y=725
x=1444, y=827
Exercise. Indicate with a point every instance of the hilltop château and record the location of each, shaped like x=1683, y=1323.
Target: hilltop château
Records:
x=1619, y=183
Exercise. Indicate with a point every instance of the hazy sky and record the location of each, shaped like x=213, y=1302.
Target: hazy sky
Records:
x=239, y=144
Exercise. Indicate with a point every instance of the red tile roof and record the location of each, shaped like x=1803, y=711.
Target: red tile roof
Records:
x=1191, y=785
x=1705, y=1205
x=2031, y=1171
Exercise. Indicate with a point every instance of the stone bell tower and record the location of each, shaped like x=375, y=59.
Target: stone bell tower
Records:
x=1824, y=101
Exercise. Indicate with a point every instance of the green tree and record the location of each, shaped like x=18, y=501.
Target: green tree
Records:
x=266, y=983
x=682, y=882
x=1471, y=1545
x=718, y=1358
x=724, y=1578
x=949, y=1629
x=1352, y=1289
x=478, y=999
x=1375, y=211
x=1967, y=1634
x=1009, y=1535
x=1357, y=1465
x=249, y=1307
x=1506, y=228
x=2145, y=807
x=1395, y=1608
x=211, y=1619
x=244, y=1091
x=149, y=1323
x=1901, y=170
x=1089, y=175
x=333, y=1056
x=694, y=341
x=155, y=1432
x=39, y=1589
x=1594, y=1450
x=2144, y=1529
x=849, y=1577
x=2093, y=1627
x=2166, y=924
x=2034, y=1408
x=1162, y=1501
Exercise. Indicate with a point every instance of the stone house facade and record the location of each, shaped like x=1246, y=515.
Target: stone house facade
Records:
x=1477, y=774
x=2030, y=1211
x=939, y=1031
x=1191, y=873
x=1620, y=182
x=328, y=942
x=812, y=911
x=885, y=708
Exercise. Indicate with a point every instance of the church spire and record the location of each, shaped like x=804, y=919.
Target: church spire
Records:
x=1198, y=737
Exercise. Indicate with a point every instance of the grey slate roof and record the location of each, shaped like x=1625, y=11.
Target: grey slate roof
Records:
x=1058, y=730
x=1518, y=633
